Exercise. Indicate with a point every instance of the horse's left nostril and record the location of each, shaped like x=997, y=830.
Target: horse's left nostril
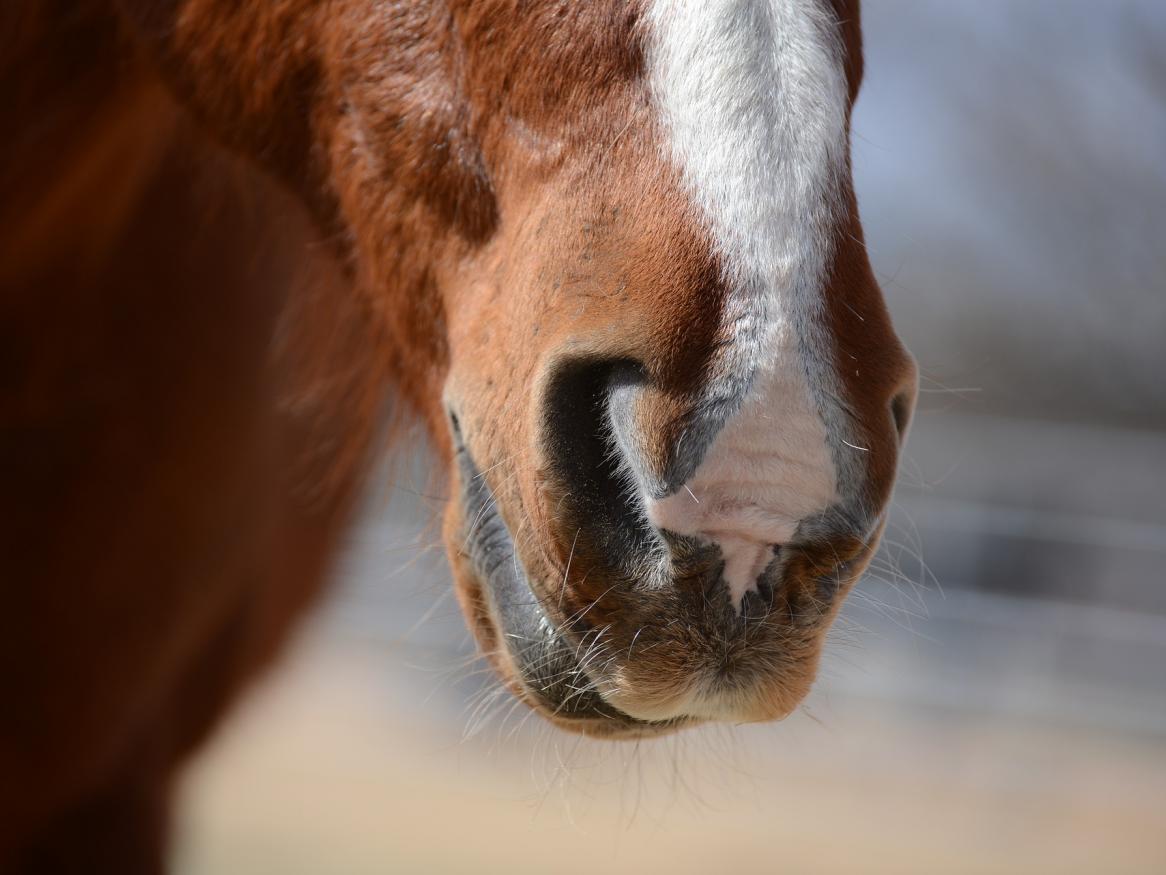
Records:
x=902, y=405
x=585, y=456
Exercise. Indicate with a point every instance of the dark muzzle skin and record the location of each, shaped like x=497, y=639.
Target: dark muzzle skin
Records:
x=547, y=662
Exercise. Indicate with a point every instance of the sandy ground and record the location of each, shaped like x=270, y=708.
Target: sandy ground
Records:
x=342, y=764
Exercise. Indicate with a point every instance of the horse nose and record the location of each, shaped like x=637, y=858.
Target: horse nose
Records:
x=758, y=520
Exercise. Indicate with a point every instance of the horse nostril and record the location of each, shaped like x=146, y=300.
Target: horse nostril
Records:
x=902, y=405
x=585, y=455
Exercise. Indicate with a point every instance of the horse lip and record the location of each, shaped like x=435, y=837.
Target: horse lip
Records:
x=545, y=661
x=542, y=662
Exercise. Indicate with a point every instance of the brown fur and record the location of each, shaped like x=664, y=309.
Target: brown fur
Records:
x=231, y=234
x=641, y=284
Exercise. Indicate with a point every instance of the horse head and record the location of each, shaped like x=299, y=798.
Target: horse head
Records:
x=617, y=254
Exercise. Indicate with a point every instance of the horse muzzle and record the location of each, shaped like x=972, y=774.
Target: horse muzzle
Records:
x=612, y=626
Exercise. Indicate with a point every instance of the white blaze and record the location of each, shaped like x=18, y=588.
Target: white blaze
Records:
x=753, y=99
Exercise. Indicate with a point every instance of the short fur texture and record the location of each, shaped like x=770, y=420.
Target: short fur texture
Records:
x=241, y=239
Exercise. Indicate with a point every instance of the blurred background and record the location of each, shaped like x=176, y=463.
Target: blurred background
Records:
x=994, y=695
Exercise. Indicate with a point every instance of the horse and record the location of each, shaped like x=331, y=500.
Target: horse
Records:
x=605, y=257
